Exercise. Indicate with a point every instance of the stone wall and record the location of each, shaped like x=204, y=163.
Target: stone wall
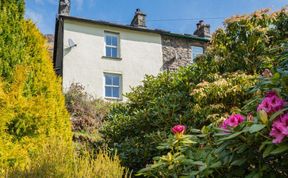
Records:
x=177, y=51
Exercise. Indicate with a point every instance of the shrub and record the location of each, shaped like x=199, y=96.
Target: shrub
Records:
x=32, y=108
x=199, y=94
x=64, y=163
x=87, y=116
x=254, y=145
x=87, y=113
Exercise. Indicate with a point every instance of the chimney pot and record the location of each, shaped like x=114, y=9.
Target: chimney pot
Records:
x=139, y=19
x=203, y=30
x=64, y=7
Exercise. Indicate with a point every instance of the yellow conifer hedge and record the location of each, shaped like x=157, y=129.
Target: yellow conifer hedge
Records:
x=32, y=109
x=35, y=131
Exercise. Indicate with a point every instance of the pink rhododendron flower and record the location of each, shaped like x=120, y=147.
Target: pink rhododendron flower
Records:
x=232, y=121
x=178, y=129
x=279, y=129
x=271, y=103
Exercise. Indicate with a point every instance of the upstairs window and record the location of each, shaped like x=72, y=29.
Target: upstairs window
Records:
x=196, y=51
x=112, y=45
x=112, y=85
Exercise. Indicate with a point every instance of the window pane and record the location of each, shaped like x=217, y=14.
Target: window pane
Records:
x=116, y=92
x=116, y=80
x=112, y=85
x=108, y=92
x=109, y=51
x=114, y=52
x=196, y=51
x=108, y=80
x=108, y=40
x=114, y=41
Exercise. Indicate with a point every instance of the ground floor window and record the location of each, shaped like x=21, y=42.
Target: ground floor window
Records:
x=112, y=85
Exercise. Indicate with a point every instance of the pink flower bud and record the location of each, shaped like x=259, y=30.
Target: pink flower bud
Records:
x=178, y=129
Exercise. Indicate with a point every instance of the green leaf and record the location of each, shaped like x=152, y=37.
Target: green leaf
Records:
x=153, y=166
x=238, y=162
x=231, y=136
x=181, y=157
x=242, y=148
x=280, y=149
x=216, y=165
x=221, y=147
x=276, y=114
x=220, y=134
x=256, y=127
x=268, y=150
x=146, y=169
x=264, y=144
x=195, y=131
x=189, y=162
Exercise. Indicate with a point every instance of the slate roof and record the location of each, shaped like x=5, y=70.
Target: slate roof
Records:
x=158, y=31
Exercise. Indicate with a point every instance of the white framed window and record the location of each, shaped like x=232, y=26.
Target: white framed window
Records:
x=112, y=86
x=112, y=45
x=196, y=51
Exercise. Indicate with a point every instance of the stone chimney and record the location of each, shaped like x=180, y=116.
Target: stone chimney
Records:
x=203, y=30
x=64, y=7
x=139, y=19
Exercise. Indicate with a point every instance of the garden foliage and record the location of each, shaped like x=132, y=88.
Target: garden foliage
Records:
x=87, y=113
x=254, y=144
x=87, y=116
x=64, y=163
x=200, y=94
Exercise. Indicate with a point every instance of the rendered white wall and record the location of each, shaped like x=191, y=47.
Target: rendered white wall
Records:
x=141, y=54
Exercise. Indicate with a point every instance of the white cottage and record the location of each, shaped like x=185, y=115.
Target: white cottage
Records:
x=108, y=59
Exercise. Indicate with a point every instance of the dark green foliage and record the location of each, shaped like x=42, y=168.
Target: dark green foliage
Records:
x=246, y=150
x=198, y=94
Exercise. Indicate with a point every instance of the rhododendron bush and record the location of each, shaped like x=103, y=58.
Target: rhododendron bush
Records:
x=252, y=143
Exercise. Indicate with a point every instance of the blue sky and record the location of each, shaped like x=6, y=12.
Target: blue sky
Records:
x=213, y=12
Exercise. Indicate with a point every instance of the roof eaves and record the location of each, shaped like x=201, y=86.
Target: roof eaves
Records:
x=158, y=31
x=187, y=36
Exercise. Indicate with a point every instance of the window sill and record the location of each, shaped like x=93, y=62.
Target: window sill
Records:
x=113, y=99
x=112, y=58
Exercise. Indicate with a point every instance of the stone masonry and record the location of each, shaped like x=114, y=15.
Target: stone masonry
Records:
x=177, y=51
